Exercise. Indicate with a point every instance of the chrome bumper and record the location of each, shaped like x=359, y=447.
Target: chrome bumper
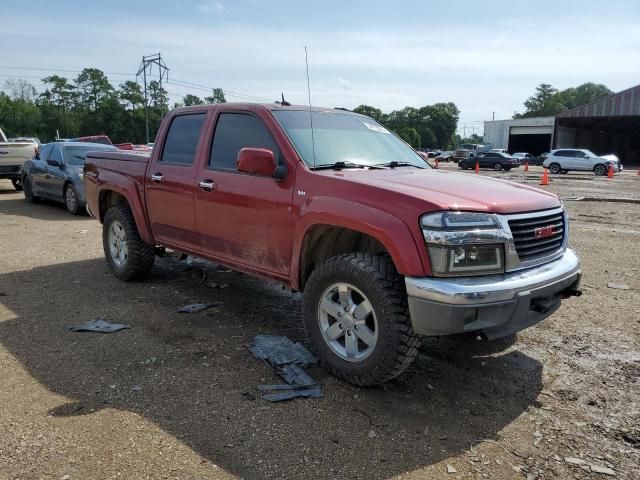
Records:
x=496, y=305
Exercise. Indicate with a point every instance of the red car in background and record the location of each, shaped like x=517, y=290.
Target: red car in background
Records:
x=105, y=140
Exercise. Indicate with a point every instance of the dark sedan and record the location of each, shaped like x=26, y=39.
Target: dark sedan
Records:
x=57, y=173
x=494, y=160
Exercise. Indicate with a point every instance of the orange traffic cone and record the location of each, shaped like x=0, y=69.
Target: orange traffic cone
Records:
x=477, y=167
x=437, y=163
x=526, y=166
x=545, y=178
x=610, y=172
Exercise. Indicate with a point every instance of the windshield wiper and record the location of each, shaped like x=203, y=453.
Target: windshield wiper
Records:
x=395, y=163
x=341, y=165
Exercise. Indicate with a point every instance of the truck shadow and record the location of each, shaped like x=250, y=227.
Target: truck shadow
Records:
x=43, y=210
x=194, y=378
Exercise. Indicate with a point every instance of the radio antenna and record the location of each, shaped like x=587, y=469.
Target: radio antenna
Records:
x=313, y=140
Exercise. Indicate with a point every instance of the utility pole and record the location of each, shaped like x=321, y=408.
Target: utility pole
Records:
x=163, y=73
x=493, y=116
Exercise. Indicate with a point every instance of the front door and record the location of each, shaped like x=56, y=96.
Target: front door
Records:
x=244, y=218
x=170, y=182
x=54, y=175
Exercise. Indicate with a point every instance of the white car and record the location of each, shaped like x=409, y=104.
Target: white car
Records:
x=499, y=150
x=565, y=159
x=524, y=157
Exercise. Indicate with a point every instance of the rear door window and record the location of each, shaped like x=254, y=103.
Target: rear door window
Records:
x=182, y=139
x=235, y=131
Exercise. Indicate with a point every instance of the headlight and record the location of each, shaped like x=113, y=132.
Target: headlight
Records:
x=464, y=243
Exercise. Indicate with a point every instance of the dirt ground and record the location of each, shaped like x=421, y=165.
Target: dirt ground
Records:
x=175, y=396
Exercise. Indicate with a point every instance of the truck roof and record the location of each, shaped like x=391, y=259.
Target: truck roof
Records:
x=264, y=106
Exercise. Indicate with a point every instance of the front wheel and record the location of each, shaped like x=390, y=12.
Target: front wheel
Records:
x=497, y=166
x=600, y=169
x=357, y=317
x=17, y=184
x=555, y=168
x=71, y=200
x=127, y=255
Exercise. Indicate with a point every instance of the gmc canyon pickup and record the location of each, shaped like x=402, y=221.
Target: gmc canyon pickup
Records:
x=331, y=203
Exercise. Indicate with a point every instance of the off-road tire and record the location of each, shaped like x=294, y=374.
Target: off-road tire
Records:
x=140, y=256
x=555, y=168
x=27, y=189
x=377, y=277
x=17, y=184
x=75, y=208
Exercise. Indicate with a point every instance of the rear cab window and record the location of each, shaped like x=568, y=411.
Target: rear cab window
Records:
x=235, y=131
x=181, y=142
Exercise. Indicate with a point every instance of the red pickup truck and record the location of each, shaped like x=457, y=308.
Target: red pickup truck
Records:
x=331, y=203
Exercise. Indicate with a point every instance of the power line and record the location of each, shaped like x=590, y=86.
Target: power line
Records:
x=13, y=67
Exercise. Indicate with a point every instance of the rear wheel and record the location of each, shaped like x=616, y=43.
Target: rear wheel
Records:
x=17, y=184
x=497, y=166
x=600, y=169
x=356, y=315
x=554, y=168
x=128, y=256
x=71, y=199
x=27, y=189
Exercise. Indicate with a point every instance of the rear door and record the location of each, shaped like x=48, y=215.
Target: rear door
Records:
x=244, y=218
x=170, y=182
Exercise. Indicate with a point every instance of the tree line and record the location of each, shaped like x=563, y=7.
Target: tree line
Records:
x=90, y=104
x=87, y=105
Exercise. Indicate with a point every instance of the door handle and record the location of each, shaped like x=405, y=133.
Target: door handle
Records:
x=207, y=185
x=157, y=177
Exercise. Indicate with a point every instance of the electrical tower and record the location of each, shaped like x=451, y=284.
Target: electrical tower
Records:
x=146, y=66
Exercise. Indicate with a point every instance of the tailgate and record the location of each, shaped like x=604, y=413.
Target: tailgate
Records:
x=15, y=154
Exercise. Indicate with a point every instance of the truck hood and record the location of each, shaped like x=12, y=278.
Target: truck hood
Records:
x=454, y=191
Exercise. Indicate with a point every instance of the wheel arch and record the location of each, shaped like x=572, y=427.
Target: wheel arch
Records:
x=109, y=197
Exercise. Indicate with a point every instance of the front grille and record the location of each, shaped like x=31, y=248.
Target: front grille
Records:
x=532, y=237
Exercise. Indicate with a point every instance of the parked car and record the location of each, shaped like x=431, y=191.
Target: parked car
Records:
x=105, y=140
x=499, y=150
x=563, y=160
x=445, y=156
x=493, y=160
x=12, y=158
x=57, y=173
x=384, y=247
x=525, y=157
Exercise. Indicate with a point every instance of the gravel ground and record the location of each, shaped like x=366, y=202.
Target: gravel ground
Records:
x=174, y=396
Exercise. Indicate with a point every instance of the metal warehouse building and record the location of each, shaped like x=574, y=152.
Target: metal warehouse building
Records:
x=533, y=135
x=608, y=125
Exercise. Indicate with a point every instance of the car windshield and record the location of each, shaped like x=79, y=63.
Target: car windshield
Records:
x=77, y=155
x=344, y=138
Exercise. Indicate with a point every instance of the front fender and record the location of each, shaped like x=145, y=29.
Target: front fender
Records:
x=125, y=186
x=389, y=230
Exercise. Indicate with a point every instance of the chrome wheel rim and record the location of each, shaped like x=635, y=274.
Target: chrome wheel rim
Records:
x=70, y=198
x=347, y=322
x=118, y=244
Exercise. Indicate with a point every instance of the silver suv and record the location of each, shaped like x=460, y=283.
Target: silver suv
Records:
x=565, y=159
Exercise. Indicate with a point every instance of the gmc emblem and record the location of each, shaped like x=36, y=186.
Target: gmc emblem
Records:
x=543, y=232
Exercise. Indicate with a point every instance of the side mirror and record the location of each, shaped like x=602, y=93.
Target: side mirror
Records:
x=53, y=163
x=259, y=161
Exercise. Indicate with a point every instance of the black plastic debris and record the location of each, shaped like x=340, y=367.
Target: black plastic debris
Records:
x=288, y=359
x=99, y=325
x=195, y=307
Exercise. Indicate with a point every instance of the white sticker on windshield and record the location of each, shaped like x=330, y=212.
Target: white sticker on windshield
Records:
x=377, y=128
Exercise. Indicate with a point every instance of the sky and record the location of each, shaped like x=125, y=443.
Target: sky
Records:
x=487, y=57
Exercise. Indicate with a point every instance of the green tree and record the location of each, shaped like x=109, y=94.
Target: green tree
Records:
x=411, y=136
x=217, y=96
x=131, y=93
x=190, y=100
x=583, y=94
x=549, y=101
x=370, y=111
x=93, y=88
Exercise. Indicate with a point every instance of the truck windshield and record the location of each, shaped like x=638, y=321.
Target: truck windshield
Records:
x=344, y=139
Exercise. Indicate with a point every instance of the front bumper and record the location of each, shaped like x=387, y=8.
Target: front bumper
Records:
x=495, y=305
